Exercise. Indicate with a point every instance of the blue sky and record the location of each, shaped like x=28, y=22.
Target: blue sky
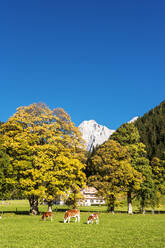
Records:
x=101, y=60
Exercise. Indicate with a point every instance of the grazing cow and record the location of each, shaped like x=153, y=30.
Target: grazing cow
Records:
x=93, y=217
x=72, y=213
x=46, y=215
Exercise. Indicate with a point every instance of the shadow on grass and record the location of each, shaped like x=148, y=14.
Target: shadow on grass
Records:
x=20, y=212
x=61, y=221
x=71, y=222
x=15, y=212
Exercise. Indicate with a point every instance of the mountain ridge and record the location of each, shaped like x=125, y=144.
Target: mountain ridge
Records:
x=94, y=134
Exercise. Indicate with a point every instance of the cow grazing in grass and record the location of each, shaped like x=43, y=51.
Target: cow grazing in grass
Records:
x=72, y=213
x=93, y=217
x=46, y=215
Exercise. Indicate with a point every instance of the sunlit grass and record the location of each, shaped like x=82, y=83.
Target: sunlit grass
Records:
x=114, y=231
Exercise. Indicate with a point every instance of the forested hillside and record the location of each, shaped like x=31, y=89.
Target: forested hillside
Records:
x=152, y=131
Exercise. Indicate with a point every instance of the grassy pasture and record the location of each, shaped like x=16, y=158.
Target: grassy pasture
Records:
x=19, y=230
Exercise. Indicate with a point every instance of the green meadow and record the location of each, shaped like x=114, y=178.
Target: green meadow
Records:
x=20, y=230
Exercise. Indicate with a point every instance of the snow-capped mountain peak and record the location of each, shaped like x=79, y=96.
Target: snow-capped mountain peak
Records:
x=94, y=134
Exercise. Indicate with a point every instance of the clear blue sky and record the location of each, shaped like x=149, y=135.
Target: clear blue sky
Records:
x=100, y=59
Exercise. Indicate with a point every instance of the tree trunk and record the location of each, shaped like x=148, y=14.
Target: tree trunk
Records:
x=129, y=201
x=111, y=209
x=50, y=204
x=75, y=199
x=111, y=204
x=143, y=205
x=33, y=201
x=143, y=210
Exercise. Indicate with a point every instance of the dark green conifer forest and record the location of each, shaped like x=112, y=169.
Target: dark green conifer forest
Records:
x=152, y=131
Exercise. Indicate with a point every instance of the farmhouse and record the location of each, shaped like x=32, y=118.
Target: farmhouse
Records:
x=90, y=197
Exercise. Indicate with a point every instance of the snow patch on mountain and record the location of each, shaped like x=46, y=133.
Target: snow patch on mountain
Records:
x=94, y=134
x=133, y=119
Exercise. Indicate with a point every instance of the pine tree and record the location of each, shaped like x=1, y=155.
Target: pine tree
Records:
x=151, y=128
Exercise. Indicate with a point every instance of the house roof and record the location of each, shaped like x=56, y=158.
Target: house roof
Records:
x=89, y=190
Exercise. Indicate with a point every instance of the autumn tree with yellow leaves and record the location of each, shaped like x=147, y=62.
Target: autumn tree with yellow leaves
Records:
x=128, y=136
x=46, y=153
x=111, y=172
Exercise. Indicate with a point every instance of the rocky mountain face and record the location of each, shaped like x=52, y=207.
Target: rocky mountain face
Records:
x=94, y=134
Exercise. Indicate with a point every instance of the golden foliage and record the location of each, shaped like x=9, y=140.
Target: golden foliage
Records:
x=46, y=151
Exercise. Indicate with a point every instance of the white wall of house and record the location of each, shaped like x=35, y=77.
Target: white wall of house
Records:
x=90, y=198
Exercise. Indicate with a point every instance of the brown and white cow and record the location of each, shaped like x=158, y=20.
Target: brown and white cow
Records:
x=93, y=217
x=46, y=215
x=72, y=213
